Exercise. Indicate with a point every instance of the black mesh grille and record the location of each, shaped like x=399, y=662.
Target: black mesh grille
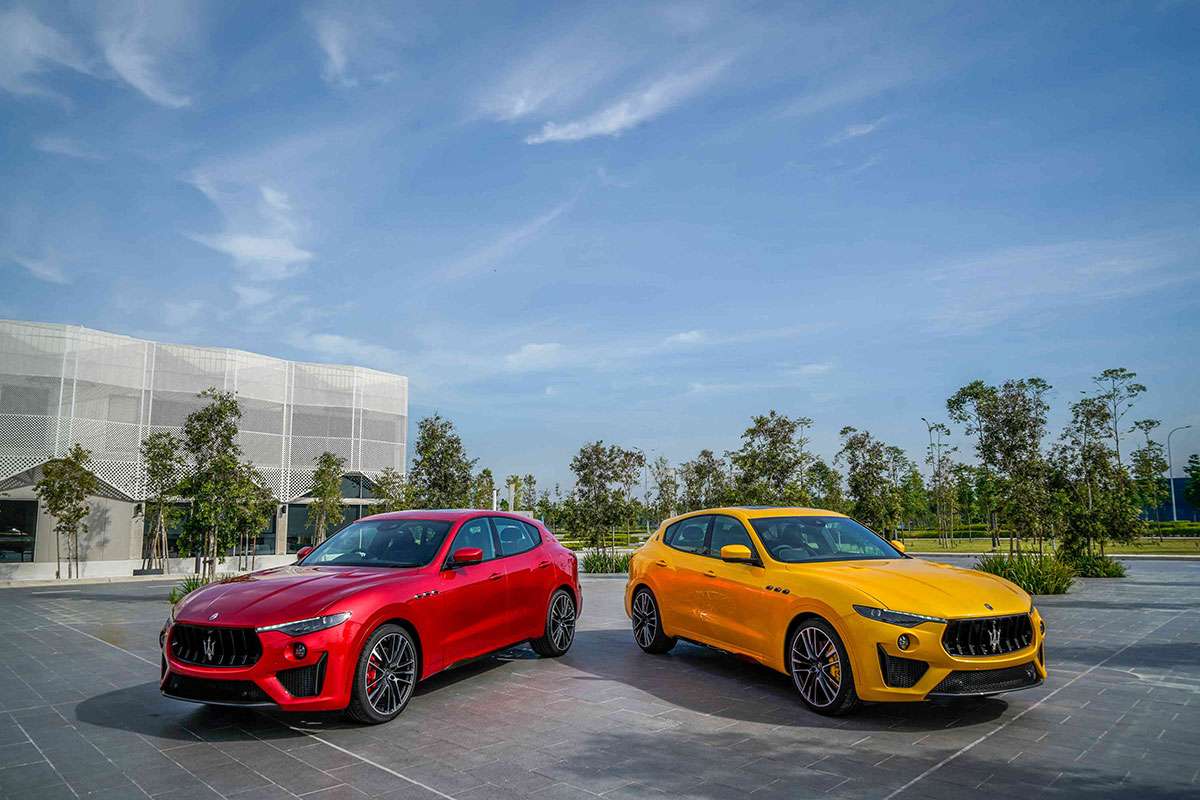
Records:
x=214, y=691
x=903, y=673
x=988, y=681
x=303, y=681
x=215, y=647
x=988, y=636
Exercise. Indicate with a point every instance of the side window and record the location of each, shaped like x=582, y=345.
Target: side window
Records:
x=514, y=536
x=727, y=530
x=475, y=533
x=688, y=535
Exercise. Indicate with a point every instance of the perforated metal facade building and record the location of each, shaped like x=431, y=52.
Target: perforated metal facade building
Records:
x=63, y=384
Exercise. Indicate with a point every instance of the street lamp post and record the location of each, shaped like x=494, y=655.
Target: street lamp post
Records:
x=1170, y=471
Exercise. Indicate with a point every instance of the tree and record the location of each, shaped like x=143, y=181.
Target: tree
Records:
x=939, y=457
x=1148, y=463
x=914, y=499
x=604, y=479
x=483, y=488
x=1192, y=490
x=1118, y=390
x=513, y=484
x=770, y=466
x=252, y=506
x=664, y=480
x=825, y=483
x=529, y=495
x=704, y=482
x=325, y=511
x=441, y=473
x=972, y=406
x=869, y=489
x=64, y=488
x=1014, y=427
x=212, y=476
x=392, y=491
x=1083, y=464
x=163, y=457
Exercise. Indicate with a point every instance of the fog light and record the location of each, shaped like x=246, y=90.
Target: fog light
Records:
x=299, y=649
x=904, y=641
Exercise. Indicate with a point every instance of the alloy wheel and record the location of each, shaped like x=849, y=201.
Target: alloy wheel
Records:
x=816, y=666
x=645, y=619
x=562, y=621
x=391, y=673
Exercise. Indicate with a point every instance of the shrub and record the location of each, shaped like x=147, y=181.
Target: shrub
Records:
x=604, y=561
x=191, y=583
x=1033, y=573
x=1097, y=566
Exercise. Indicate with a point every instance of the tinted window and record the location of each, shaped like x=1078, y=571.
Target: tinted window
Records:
x=382, y=543
x=727, y=530
x=794, y=539
x=475, y=533
x=688, y=535
x=515, y=536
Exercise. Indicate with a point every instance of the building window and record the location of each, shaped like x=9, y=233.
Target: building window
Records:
x=18, y=528
x=298, y=533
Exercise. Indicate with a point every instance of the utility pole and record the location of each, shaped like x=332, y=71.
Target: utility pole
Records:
x=1170, y=473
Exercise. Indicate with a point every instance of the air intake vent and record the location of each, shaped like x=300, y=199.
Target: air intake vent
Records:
x=303, y=681
x=215, y=647
x=988, y=636
x=988, y=681
x=902, y=673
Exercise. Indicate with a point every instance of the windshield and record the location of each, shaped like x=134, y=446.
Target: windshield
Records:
x=381, y=543
x=799, y=539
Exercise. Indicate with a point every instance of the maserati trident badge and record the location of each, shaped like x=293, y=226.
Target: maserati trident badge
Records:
x=994, y=638
x=210, y=647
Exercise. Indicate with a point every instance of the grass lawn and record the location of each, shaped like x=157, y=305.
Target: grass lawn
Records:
x=1147, y=546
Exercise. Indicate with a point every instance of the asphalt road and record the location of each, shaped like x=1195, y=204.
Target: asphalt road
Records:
x=80, y=716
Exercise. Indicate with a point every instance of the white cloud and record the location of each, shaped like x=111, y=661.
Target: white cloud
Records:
x=345, y=348
x=252, y=295
x=65, y=146
x=136, y=39
x=44, y=269
x=844, y=91
x=265, y=257
x=534, y=356
x=333, y=37
x=857, y=130
x=493, y=253
x=685, y=337
x=814, y=369
x=29, y=48
x=657, y=97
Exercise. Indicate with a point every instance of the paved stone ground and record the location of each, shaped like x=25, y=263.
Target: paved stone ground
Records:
x=80, y=716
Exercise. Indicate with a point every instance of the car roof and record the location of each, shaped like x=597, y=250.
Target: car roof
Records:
x=758, y=512
x=446, y=514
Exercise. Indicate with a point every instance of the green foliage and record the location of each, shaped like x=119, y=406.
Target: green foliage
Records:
x=64, y=488
x=392, y=491
x=164, y=461
x=1192, y=470
x=604, y=481
x=872, y=500
x=704, y=483
x=1148, y=465
x=441, y=475
x=1096, y=566
x=600, y=561
x=1036, y=574
x=825, y=484
x=325, y=511
x=664, y=485
x=191, y=583
x=1117, y=390
x=770, y=468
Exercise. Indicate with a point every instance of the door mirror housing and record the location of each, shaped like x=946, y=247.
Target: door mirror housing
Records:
x=899, y=545
x=466, y=555
x=737, y=554
x=302, y=553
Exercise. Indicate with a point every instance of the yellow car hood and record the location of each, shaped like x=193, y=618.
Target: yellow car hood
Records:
x=923, y=587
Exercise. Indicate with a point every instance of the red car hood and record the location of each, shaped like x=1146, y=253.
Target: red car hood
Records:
x=284, y=594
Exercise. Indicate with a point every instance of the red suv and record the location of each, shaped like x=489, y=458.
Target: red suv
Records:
x=382, y=604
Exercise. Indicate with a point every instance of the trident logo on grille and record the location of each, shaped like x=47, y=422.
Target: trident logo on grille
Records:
x=994, y=638
x=210, y=647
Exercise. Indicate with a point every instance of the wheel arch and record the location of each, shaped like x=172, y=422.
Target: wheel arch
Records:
x=807, y=612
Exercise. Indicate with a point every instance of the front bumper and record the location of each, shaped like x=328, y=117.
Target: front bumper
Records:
x=881, y=674
x=320, y=681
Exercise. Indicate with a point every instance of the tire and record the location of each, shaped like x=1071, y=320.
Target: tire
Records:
x=820, y=668
x=647, y=624
x=384, y=676
x=560, y=626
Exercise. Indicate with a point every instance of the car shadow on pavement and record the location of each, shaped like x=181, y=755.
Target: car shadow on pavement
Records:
x=695, y=680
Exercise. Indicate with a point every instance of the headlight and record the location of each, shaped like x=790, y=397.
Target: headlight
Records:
x=310, y=625
x=900, y=618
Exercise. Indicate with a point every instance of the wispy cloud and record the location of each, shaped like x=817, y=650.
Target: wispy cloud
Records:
x=535, y=356
x=333, y=37
x=857, y=130
x=360, y=43
x=842, y=90
x=261, y=236
x=28, y=49
x=685, y=337
x=136, y=39
x=655, y=98
x=46, y=269
x=334, y=346
x=66, y=146
x=490, y=255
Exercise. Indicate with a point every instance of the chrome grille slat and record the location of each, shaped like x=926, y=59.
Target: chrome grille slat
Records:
x=974, y=637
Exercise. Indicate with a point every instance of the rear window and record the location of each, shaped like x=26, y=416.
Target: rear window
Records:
x=688, y=535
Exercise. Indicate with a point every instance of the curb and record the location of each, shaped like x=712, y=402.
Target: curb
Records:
x=1132, y=556
x=68, y=582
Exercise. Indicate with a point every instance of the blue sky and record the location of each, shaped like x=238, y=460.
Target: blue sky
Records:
x=630, y=221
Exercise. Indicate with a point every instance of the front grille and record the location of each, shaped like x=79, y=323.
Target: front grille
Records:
x=988, y=681
x=215, y=647
x=207, y=690
x=902, y=673
x=303, y=681
x=988, y=636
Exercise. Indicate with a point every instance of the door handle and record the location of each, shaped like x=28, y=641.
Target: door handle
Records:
x=543, y=565
x=710, y=574
x=662, y=562
x=495, y=576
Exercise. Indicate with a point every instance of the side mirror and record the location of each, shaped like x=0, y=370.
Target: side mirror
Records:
x=737, y=554
x=899, y=545
x=466, y=555
x=302, y=553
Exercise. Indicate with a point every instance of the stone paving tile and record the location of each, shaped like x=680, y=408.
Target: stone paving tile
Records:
x=1120, y=716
